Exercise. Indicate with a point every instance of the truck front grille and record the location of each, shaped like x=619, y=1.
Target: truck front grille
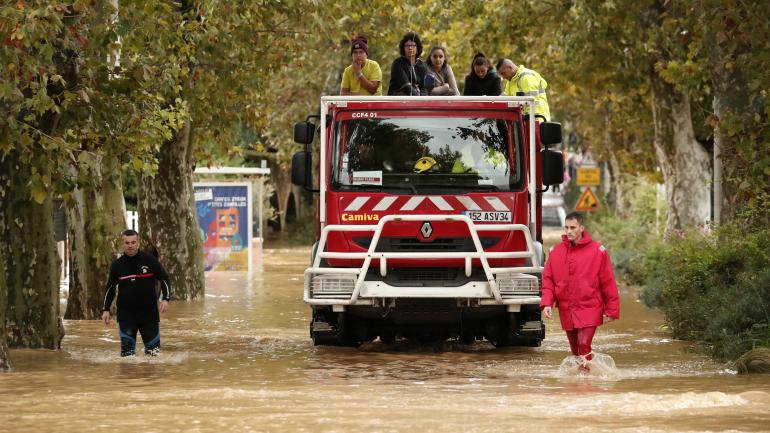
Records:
x=427, y=274
x=433, y=276
x=438, y=245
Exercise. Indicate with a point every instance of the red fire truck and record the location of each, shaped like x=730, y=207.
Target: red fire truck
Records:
x=429, y=217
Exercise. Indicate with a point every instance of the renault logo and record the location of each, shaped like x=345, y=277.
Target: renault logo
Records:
x=426, y=229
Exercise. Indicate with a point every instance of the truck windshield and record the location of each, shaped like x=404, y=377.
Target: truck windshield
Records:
x=425, y=155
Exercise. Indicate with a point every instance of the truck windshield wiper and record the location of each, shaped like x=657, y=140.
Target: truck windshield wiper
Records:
x=460, y=186
x=379, y=188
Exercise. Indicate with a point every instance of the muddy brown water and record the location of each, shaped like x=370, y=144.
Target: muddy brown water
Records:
x=241, y=360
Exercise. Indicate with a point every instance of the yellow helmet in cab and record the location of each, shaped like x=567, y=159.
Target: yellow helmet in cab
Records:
x=424, y=164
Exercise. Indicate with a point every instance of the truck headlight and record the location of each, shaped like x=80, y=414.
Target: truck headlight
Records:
x=331, y=285
x=518, y=285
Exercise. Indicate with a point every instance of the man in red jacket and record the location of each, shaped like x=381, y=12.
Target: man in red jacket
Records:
x=579, y=280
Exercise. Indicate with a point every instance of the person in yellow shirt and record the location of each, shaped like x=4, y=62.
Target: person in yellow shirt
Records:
x=363, y=76
x=524, y=82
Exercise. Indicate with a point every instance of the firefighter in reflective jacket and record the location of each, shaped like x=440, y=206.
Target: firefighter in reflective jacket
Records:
x=524, y=82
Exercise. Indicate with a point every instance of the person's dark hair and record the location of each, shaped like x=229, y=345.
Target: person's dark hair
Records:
x=130, y=232
x=499, y=63
x=429, y=61
x=480, y=59
x=577, y=216
x=411, y=36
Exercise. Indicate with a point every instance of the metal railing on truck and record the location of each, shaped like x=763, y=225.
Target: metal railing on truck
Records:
x=513, y=286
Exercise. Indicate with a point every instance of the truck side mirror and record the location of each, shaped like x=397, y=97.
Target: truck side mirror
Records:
x=553, y=167
x=300, y=173
x=303, y=132
x=550, y=133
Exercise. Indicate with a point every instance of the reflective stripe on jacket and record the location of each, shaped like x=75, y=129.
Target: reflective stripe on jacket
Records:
x=580, y=281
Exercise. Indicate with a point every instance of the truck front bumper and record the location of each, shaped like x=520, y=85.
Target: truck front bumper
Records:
x=339, y=290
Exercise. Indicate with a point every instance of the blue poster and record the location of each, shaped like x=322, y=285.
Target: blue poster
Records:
x=224, y=219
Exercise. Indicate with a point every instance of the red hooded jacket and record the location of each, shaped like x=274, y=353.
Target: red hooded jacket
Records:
x=580, y=281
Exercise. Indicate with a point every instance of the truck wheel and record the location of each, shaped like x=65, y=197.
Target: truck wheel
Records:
x=345, y=331
x=528, y=342
x=331, y=329
x=467, y=336
x=388, y=336
x=496, y=333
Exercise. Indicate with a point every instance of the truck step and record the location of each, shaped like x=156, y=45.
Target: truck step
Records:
x=532, y=327
x=322, y=327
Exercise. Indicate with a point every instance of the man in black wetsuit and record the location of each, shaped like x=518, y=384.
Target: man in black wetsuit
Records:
x=133, y=275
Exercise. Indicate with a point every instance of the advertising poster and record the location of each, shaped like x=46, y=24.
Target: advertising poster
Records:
x=224, y=218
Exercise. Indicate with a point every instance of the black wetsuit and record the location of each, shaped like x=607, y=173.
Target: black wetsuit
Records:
x=134, y=279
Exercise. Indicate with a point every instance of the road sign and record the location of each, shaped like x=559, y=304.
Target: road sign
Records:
x=588, y=176
x=587, y=201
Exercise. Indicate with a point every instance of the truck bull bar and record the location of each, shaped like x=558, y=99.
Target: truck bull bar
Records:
x=338, y=287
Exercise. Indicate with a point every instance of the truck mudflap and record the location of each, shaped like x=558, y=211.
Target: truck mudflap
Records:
x=339, y=288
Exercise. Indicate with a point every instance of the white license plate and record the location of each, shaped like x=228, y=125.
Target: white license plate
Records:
x=480, y=216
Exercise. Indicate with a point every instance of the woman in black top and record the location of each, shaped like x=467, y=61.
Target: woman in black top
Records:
x=407, y=75
x=483, y=80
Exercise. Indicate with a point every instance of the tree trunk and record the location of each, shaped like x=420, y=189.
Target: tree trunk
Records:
x=27, y=244
x=30, y=258
x=280, y=175
x=5, y=357
x=731, y=96
x=615, y=196
x=296, y=192
x=682, y=160
x=167, y=217
x=96, y=220
x=735, y=51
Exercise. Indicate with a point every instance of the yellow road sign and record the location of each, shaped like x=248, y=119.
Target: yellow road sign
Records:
x=588, y=176
x=587, y=201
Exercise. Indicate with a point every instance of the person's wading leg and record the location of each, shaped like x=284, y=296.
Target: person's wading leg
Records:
x=584, y=338
x=572, y=337
x=151, y=338
x=127, y=333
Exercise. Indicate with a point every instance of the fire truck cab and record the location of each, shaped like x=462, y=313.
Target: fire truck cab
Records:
x=429, y=217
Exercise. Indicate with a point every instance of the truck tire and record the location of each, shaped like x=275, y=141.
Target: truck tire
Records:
x=497, y=333
x=388, y=336
x=331, y=329
x=467, y=336
x=527, y=342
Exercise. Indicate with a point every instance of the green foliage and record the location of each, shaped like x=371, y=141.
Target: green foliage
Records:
x=65, y=103
x=302, y=231
x=264, y=65
x=630, y=231
x=713, y=287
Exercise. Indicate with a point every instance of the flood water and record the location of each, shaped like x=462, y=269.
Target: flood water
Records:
x=241, y=360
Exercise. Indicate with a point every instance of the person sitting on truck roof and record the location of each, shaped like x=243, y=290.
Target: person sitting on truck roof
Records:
x=440, y=79
x=482, y=80
x=407, y=74
x=524, y=82
x=363, y=76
